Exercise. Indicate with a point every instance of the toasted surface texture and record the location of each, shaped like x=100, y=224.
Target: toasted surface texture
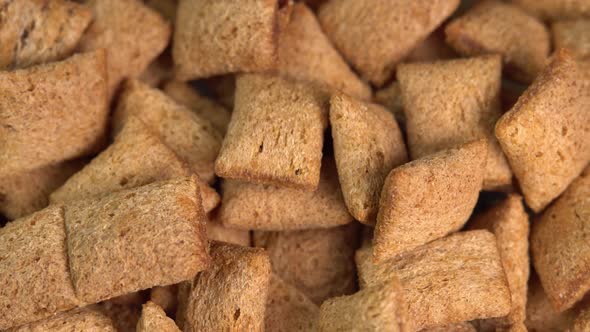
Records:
x=231, y=295
x=454, y=279
x=559, y=248
x=545, y=135
x=38, y=129
x=153, y=319
x=136, y=238
x=573, y=35
x=34, y=269
x=132, y=34
x=38, y=31
x=306, y=53
x=447, y=103
x=428, y=198
x=582, y=320
x=192, y=138
x=218, y=232
x=318, y=262
x=540, y=314
x=494, y=26
x=287, y=309
x=273, y=208
x=367, y=145
x=374, y=36
x=552, y=10
x=214, y=37
x=287, y=150
x=87, y=319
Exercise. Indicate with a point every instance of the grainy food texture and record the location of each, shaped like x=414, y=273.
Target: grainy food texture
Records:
x=216, y=231
x=288, y=309
x=573, y=35
x=87, y=319
x=582, y=320
x=540, y=314
x=390, y=97
x=458, y=327
x=154, y=319
x=550, y=10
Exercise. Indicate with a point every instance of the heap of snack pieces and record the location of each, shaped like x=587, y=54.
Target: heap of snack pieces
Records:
x=266, y=165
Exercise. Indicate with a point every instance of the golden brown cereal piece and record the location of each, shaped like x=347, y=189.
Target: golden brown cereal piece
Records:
x=553, y=10
x=153, y=319
x=432, y=48
x=132, y=33
x=305, y=53
x=559, y=248
x=368, y=144
x=287, y=150
x=24, y=193
x=87, y=319
x=428, y=198
x=447, y=103
x=231, y=294
x=135, y=239
x=287, y=309
x=218, y=232
x=492, y=26
x=34, y=269
x=374, y=36
x=193, y=138
x=573, y=35
x=378, y=308
x=545, y=135
x=540, y=315
x=510, y=223
x=38, y=31
x=391, y=97
x=214, y=37
x=202, y=106
x=458, y=327
x=318, y=262
x=454, y=279
x=36, y=127
x=273, y=208
x=165, y=297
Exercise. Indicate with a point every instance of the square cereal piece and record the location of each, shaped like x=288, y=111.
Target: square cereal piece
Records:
x=447, y=103
x=510, y=223
x=493, y=26
x=154, y=319
x=428, y=198
x=545, y=135
x=37, y=31
x=368, y=144
x=454, y=279
x=87, y=319
x=36, y=127
x=319, y=262
x=288, y=309
x=231, y=295
x=34, y=269
x=374, y=36
x=573, y=35
x=273, y=208
x=135, y=239
x=132, y=34
x=193, y=138
x=276, y=133
x=559, y=247
x=214, y=37
x=306, y=53
x=551, y=10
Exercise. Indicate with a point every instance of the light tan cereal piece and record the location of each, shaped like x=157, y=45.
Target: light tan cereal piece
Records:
x=124, y=317
x=165, y=297
x=193, y=138
x=510, y=223
x=432, y=48
x=38, y=31
x=135, y=239
x=153, y=319
x=540, y=315
x=368, y=144
x=454, y=279
x=428, y=198
x=273, y=208
x=24, y=193
x=458, y=327
x=218, y=232
x=318, y=262
x=34, y=269
x=573, y=35
x=552, y=10
x=493, y=26
x=231, y=294
x=214, y=37
x=202, y=106
x=287, y=150
x=37, y=128
x=287, y=309
x=374, y=36
x=447, y=103
x=379, y=308
x=87, y=319
x=545, y=135
x=305, y=53
x=559, y=248
x=391, y=98
x=166, y=8
x=132, y=33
